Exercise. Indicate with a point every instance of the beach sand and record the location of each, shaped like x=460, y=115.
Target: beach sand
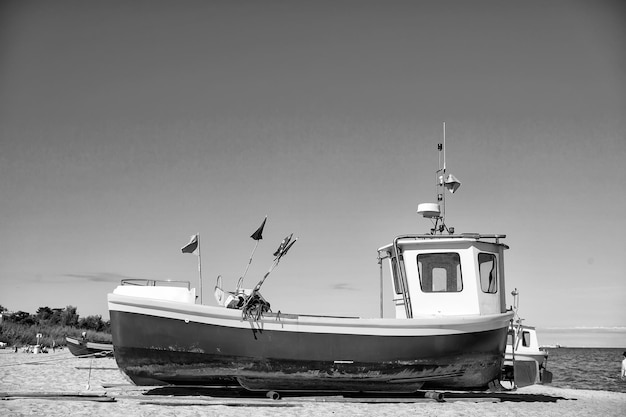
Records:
x=56, y=384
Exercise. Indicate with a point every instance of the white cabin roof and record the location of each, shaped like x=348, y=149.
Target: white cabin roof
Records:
x=421, y=240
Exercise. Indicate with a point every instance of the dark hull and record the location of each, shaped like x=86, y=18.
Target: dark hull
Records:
x=153, y=350
x=84, y=348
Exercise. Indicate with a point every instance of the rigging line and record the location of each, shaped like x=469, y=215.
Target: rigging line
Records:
x=89, y=377
x=247, y=266
x=98, y=354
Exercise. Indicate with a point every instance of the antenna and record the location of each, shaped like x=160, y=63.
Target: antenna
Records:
x=437, y=211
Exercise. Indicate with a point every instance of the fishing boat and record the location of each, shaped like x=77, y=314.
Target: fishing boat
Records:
x=84, y=348
x=525, y=362
x=449, y=330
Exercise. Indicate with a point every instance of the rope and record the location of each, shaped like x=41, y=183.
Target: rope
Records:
x=89, y=377
x=254, y=307
x=92, y=355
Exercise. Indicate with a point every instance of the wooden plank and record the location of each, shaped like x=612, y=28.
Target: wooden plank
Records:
x=298, y=401
x=69, y=396
x=180, y=403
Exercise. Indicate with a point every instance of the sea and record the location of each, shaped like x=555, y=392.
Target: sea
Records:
x=586, y=368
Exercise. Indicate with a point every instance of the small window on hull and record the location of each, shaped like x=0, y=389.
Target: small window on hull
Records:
x=488, y=273
x=440, y=272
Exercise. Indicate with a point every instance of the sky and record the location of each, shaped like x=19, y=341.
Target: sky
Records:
x=127, y=127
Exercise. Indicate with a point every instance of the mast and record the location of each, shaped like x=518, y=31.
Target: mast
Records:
x=437, y=211
x=441, y=175
x=199, y=269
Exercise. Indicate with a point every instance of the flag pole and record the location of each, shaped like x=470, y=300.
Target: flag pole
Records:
x=240, y=283
x=257, y=235
x=199, y=269
x=282, y=250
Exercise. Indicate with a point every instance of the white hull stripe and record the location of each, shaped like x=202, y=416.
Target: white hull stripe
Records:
x=220, y=316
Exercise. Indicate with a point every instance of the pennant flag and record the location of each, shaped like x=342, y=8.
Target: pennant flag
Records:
x=288, y=247
x=258, y=235
x=284, y=246
x=192, y=246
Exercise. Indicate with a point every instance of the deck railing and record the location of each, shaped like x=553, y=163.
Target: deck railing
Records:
x=156, y=283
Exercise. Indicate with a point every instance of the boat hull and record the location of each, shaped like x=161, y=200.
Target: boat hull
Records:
x=538, y=356
x=160, y=343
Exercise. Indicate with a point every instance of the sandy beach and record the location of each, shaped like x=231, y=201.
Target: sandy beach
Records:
x=59, y=384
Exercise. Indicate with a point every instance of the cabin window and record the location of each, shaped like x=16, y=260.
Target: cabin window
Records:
x=526, y=339
x=397, y=285
x=488, y=274
x=440, y=272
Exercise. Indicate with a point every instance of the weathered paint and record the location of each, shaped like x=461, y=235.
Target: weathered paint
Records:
x=155, y=350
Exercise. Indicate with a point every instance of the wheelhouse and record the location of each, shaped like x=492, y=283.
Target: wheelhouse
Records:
x=446, y=275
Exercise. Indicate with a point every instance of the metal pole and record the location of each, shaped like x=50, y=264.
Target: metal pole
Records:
x=406, y=296
x=444, y=146
x=240, y=283
x=380, y=262
x=442, y=188
x=199, y=269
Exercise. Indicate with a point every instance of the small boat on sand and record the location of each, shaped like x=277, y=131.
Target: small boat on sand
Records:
x=80, y=347
x=449, y=330
x=525, y=362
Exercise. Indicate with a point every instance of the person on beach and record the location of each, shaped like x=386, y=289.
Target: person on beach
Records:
x=623, y=374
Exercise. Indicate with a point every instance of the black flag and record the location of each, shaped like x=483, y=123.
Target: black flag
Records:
x=258, y=235
x=284, y=246
x=192, y=246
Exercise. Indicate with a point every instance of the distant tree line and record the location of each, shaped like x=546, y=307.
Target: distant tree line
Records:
x=67, y=317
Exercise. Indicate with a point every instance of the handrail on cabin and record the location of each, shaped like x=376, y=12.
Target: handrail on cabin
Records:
x=476, y=236
x=155, y=282
x=402, y=279
x=473, y=236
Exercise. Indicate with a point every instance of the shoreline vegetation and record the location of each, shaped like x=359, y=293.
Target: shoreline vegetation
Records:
x=21, y=328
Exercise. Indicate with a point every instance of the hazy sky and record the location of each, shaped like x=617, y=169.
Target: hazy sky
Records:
x=126, y=127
